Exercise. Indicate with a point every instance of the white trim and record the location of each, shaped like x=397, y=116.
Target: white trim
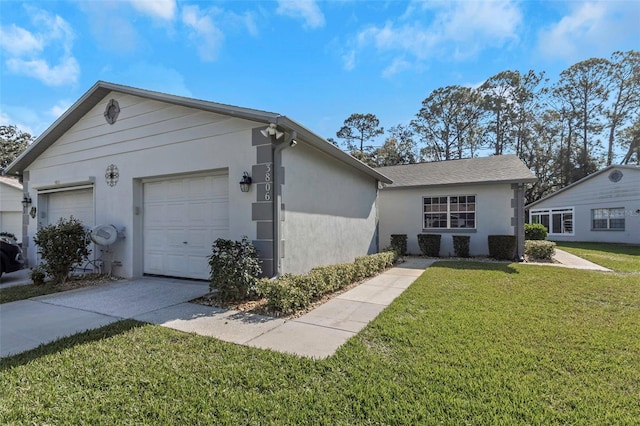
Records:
x=65, y=186
x=550, y=211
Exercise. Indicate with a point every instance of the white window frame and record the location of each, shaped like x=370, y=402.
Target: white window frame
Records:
x=606, y=214
x=449, y=211
x=551, y=211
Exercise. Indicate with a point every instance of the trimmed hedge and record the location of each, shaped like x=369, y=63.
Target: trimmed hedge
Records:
x=289, y=293
x=461, y=245
x=502, y=247
x=535, y=231
x=539, y=250
x=399, y=243
x=429, y=244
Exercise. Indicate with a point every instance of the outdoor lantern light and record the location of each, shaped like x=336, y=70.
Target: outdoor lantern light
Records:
x=26, y=201
x=245, y=183
x=272, y=130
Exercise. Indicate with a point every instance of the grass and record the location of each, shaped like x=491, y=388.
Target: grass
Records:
x=617, y=257
x=467, y=343
x=21, y=292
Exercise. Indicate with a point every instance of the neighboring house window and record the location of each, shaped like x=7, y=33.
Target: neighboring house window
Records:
x=607, y=219
x=457, y=211
x=558, y=221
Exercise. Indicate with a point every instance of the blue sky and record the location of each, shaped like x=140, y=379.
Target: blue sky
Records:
x=314, y=61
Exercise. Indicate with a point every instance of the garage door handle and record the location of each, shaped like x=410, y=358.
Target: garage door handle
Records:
x=184, y=242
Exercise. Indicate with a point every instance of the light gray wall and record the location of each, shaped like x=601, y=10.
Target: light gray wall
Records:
x=149, y=139
x=401, y=213
x=600, y=192
x=329, y=210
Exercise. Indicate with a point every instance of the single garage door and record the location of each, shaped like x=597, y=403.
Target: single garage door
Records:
x=182, y=219
x=77, y=203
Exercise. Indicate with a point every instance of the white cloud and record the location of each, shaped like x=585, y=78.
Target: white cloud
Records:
x=162, y=9
x=454, y=30
x=593, y=28
x=204, y=32
x=349, y=60
x=17, y=41
x=66, y=72
x=60, y=108
x=307, y=10
x=35, y=54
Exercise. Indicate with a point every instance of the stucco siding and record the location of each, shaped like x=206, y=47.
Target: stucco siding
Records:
x=150, y=139
x=401, y=212
x=330, y=211
x=599, y=192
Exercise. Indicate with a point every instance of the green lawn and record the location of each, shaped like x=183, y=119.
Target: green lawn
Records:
x=618, y=257
x=467, y=343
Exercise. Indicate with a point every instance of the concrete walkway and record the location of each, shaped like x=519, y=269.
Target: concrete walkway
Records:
x=568, y=260
x=26, y=324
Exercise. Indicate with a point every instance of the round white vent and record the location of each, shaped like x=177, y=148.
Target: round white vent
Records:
x=104, y=235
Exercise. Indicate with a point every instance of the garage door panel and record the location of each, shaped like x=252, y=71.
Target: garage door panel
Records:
x=77, y=203
x=190, y=213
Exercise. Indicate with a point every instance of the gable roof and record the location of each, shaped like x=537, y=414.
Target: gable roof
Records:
x=484, y=170
x=583, y=180
x=10, y=181
x=101, y=89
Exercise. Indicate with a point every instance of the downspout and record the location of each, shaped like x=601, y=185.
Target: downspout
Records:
x=277, y=200
x=520, y=222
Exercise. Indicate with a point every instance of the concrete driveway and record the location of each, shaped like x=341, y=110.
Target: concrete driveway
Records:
x=26, y=324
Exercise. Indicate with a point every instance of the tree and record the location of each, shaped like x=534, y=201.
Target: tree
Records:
x=359, y=129
x=13, y=141
x=498, y=92
x=399, y=148
x=448, y=122
x=630, y=137
x=584, y=88
x=624, y=74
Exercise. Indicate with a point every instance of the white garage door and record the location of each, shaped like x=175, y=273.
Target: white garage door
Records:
x=182, y=219
x=77, y=203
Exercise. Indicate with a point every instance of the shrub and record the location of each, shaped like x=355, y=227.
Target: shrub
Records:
x=502, y=247
x=38, y=275
x=535, y=231
x=62, y=246
x=539, y=250
x=235, y=268
x=461, y=245
x=289, y=293
x=429, y=244
x=399, y=243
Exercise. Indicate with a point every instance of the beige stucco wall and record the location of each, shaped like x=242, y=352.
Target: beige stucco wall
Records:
x=330, y=210
x=149, y=139
x=400, y=212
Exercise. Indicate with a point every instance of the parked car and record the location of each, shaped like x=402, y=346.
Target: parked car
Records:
x=11, y=259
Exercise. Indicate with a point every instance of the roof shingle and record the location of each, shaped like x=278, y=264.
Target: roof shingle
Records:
x=485, y=170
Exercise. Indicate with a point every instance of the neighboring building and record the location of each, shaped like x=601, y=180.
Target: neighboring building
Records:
x=165, y=170
x=11, y=206
x=602, y=207
x=476, y=197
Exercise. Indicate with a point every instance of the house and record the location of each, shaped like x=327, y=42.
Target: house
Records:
x=601, y=207
x=170, y=174
x=477, y=197
x=11, y=206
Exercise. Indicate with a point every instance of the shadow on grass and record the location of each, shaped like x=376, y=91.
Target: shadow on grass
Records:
x=475, y=265
x=69, y=342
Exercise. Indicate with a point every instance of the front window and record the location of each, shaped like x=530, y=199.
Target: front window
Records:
x=558, y=221
x=449, y=212
x=607, y=219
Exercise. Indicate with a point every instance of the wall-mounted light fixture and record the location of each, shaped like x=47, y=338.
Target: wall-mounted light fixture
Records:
x=245, y=183
x=272, y=130
x=294, y=141
x=26, y=202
